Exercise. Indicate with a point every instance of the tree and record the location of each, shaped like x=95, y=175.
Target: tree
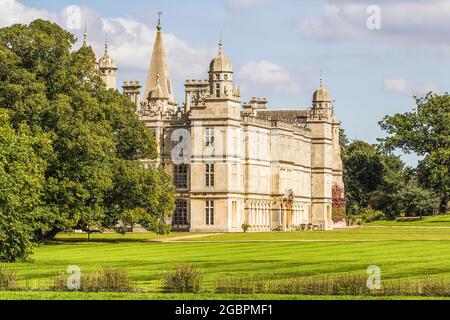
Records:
x=59, y=92
x=426, y=132
x=379, y=180
x=140, y=196
x=343, y=141
x=414, y=200
x=21, y=186
x=364, y=173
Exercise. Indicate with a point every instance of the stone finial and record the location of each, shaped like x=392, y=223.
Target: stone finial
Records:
x=220, y=44
x=85, y=36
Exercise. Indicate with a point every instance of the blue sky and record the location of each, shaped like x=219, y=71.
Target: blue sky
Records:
x=279, y=48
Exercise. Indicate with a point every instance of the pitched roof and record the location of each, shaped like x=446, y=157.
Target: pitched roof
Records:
x=289, y=116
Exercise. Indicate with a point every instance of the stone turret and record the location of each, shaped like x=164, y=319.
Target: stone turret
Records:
x=221, y=75
x=322, y=103
x=321, y=126
x=108, y=69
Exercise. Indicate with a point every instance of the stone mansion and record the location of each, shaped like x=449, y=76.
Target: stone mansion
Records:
x=234, y=163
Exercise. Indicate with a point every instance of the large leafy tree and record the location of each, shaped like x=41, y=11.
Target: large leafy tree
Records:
x=137, y=191
x=21, y=186
x=93, y=131
x=363, y=172
x=426, y=132
x=382, y=181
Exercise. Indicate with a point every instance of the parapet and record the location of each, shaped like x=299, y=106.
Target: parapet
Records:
x=196, y=82
x=131, y=85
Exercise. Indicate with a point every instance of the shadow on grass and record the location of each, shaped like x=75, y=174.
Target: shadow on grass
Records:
x=62, y=241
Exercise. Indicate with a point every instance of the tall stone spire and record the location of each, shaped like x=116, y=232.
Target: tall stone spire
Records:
x=158, y=66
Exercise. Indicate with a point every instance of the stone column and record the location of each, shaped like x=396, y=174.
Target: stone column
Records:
x=260, y=222
x=251, y=216
x=265, y=217
x=188, y=102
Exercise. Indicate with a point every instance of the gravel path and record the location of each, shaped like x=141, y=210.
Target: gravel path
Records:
x=191, y=236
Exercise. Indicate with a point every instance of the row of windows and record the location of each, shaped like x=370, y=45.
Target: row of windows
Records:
x=180, y=175
x=225, y=76
x=209, y=139
x=180, y=217
x=218, y=90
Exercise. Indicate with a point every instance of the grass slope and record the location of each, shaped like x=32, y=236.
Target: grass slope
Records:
x=436, y=221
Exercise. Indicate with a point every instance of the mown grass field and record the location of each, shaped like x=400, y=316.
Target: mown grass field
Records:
x=436, y=221
x=413, y=253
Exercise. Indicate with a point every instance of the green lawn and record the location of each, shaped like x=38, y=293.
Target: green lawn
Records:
x=400, y=252
x=436, y=221
x=365, y=234
x=160, y=296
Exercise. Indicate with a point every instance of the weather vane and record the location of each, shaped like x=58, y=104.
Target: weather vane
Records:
x=220, y=43
x=159, y=19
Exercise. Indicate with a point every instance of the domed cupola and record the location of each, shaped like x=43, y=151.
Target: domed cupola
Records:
x=321, y=94
x=107, y=62
x=322, y=103
x=221, y=63
x=221, y=75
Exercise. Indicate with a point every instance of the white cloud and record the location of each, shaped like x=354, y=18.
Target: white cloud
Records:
x=405, y=21
x=238, y=6
x=131, y=42
x=403, y=86
x=268, y=75
x=13, y=12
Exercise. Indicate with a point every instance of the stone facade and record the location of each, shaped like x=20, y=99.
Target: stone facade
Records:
x=234, y=163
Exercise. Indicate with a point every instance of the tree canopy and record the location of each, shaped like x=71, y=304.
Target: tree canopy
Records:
x=426, y=132
x=21, y=187
x=380, y=180
x=94, y=134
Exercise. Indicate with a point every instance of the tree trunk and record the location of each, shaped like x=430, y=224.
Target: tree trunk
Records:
x=49, y=235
